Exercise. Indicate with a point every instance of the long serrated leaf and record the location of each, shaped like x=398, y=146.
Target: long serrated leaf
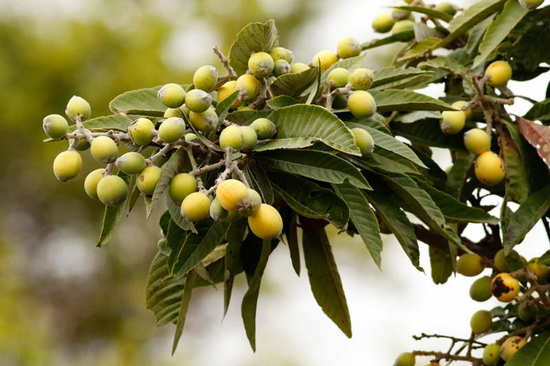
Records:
x=517, y=182
x=184, y=306
x=390, y=143
x=441, y=263
x=293, y=244
x=427, y=132
x=254, y=37
x=390, y=75
x=111, y=217
x=223, y=107
x=382, y=41
x=261, y=182
x=391, y=100
x=141, y=101
x=456, y=177
x=232, y=262
x=427, y=11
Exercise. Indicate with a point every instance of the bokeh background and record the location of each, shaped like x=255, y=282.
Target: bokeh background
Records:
x=65, y=302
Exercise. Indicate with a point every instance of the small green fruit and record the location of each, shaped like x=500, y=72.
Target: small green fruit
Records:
x=205, y=78
x=531, y=4
x=348, y=47
x=383, y=23
x=231, y=136
x=281, y=53
x=78, y=106
x=527, y=311
x=446, y=8
x=205, y=121
x=261, y=64
x=250, y=138
x=173, y=112
x=131, y=163
x=55, y=126
x=264, y=128
x=510, y=263
x=250, y=204
x=181, y=186
x=363, y=139
x=324, y=60
x=112, y=190
x=148, y=179
x=248, y=86
x=361, y=104
x=361, y=78
x=216, y=210
x=405, y=359
x=481, y=289
x=470, y=265
x=338, y=77
x=281, y=67
x=198, y=100
x=491, y=355
x=104, y=149
x=195, y=207
x=452, y=122
x=489, y=168
x=141, y=131
x=67, y=165
x=171, y=129
x=481, y=322
x=403, y=30
x=172, y=95
x=477, y=141
x=91, y=181
x=498, y=73
x=298, y=67
x=539, y=269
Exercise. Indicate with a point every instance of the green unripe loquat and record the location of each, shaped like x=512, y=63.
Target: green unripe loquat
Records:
x=250, y=204
x=142, y=131
x=205, y=121
x=404, y=30
x=216, y=210
x=261, y=64
x=491, y=354
x=505, y=287
x=147, y=180
x=281, y=53
x=510, y=347
x=281, y=67
x=405, y=359
x=527, y=311
x=298, y=67
x=363, y=140
x=361, y=78
x=361, y=104
x=250, y=138
x=539, y=269
x=400, y=14
x=266, y=223
x=446, y=8
x=469, y=264
x=226, y=90
x=172, y=95
x=324, y=60
x=104, y=149
x=248, y=86
x=498, y=73
x=338, y=77
x=195, y=207
x=181, y=186
x=489, y=168
x=131, y=163
x=452, y=122
x=78, y=106
x=173, y=112
x=264, y=128
x=477, y=141
x=198, y=100
x=231, y=136
x=55, y=126
x=481, y=289
x=348, y=47
x=530, y=4
x=67, y=165
x=112, y=190
x=205, y=78
x=171, y=129
x=91, y=181
x=383, y=23
x=230, y=193
x=481, y=322
x=512, y=262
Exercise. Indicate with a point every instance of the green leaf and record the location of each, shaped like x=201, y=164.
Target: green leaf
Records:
x=427, y=132
x=175, y=214
x=499, y=29
x=456, y=178
x=363, y=219
x=184, y=305
x=447, y=64
x=427, y=11
x=395, y=146
x=246, y=117
x=111, y=217
x=391, y=100
x=441, y=263
x=385, y=41
x=232, y=261
x=175, y=164
x=254, y=37
x=534, y=353
x=323, y=276
x=540, y=111
x=385, y=161
x=294, y=84
x=223, y=108
x=390, y=75
x=250, y=299
x=416, y=116
x=282, y=101
x=421, y=49
x=293, y=244
x=261, y=182
x=141, y=101
x=318, y=165
x=475, y=36
x=113, y=122
x=516, y=182
x=301, y=125
x=526, y=216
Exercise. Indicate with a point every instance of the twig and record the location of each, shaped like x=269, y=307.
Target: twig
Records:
x=454, y=339
x=83, y=130
x=446, y=356
x=225, y=62
x=194, y=165
x=207, y=168
x=153, y=159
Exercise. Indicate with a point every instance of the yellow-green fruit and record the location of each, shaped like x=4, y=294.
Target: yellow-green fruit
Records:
x=104, y=149
x=505, y=287
x=250, y=138
x=250, y=204
x=172, y=95
x=230, y=193
x=477, y=141
x=383, y=23
x=461, y=104
x=261, y=64
x=338, y=77
x=181, y=186
x=363, y=140
x=361, y=78
x=281, y=67
x=481, y=289
x=198, y=100
x=469, y=264
x=491, y=355
x=195, y=207
x=141, y=131
x=248, y=86
x=231, y=136
x=78, y=106
x=481, y=321
x=216, y=210
x=226, y=90
x=404, y=30
x=512, y=262
x=446, y=8
x=498, y=73
x=148, y=179
x=361, y=104
x=266, y=223
x=264, y=128
x=171, y=129
x=112, y=190
x=281, y=53
x=539, y=269
x=55, y=126
x=324, y=60
x=527, y=311
x=298, y=67
x=400, y=14
x=173, y=112
x=91, y=181
x=452, y=122
x=489, y=168
x=510, y=346
x=205, y=78
x=348, y=47
x=131, y=163
x=530, y=4
x=205, y=121
x=190, y=137
x=67, y=165
x=405, y=359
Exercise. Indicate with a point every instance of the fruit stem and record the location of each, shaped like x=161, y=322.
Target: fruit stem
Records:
x=83, y=130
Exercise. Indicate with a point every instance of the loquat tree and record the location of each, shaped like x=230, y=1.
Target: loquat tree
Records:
x=272, y=150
